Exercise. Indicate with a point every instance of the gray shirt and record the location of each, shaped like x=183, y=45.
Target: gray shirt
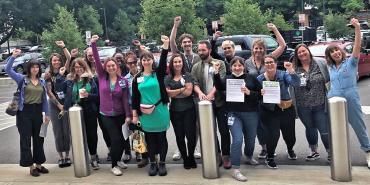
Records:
x=252, y=68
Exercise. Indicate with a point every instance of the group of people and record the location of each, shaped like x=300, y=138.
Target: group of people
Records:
x=127, y=89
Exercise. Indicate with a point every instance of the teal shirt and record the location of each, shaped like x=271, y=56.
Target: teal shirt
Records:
x=75, y=90
x=159, y=120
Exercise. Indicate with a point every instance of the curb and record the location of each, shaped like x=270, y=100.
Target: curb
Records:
x=7, y=81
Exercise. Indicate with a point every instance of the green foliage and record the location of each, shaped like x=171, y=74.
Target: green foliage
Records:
x=286, y=7
x=88, y=19
x=122, y=30
x=352, y=6
x=335, y=25
x=64, y=27
x=244, y=17
x=210, y=10
x=157, y=18
x=278, y=20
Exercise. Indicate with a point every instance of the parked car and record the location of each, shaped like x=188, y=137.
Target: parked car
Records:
x=243, y=46
x=105, y=52
x=318, y=50
x=20, y=62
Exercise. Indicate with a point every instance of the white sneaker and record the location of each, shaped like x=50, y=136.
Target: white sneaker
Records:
x=251, y=161
x=116, y=171
x=122, y=164
x=197, y=154
x=368, y=159
x=239, y=176
x=176, y=156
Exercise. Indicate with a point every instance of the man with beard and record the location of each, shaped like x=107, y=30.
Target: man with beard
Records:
x=186, y=41
x=229, y=51
x=203, y=72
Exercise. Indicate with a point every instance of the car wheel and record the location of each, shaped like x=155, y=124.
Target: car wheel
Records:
x=19, y=69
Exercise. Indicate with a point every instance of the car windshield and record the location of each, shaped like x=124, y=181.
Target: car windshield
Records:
x=106, y=52
x=318, y=50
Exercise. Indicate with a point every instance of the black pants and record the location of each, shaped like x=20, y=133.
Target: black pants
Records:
x=104, y=131
x=184, y=125
x=91, y=126
x=277, y=120
x=157, y=144
x=29, y=122
x=113, y=124
x=223, y=129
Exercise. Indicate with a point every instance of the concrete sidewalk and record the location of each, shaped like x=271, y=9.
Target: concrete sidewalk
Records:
x=11, y=174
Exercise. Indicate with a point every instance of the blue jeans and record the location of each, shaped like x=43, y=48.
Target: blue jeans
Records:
x=315, y=119
x=245, y=124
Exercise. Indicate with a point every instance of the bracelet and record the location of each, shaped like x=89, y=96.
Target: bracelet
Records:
x=64, y=47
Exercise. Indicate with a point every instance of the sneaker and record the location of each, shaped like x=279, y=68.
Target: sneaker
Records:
x=116, y=171
x=122, y=165
x=94, y=164
x=368, y=159
x=34, y=172
x=142, y=163
x=126, y=158
x=109, y=157
x=139, y=157
x=176, y=156
x=197, y=154
x=271, y=163
x=162, y=171
x=42, y=170
x=226, y=162
x=153, y=169
x=97, y=158
x=313, y=156
x=263, y=154
x=239, y=176
x=192, y=162
x=67, y=162
x=251, y=161
x=61, y=163
x=292, y=155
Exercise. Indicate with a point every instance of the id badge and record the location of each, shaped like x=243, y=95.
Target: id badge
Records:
x=182, y=80
x=230, y=120
x=140, y=79
x=60, y=95
x=211, y=70
x=303, y=81
x=122, y=83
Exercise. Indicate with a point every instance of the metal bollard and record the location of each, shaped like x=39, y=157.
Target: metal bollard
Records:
x=79, y=142
x=208, y=140
x=339, y=140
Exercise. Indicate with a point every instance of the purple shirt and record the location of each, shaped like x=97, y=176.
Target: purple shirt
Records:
x=112, y=102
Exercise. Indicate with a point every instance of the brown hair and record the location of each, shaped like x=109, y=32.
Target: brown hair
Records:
x=147, y=54
x=186, y=35
x=259, y=42
x=83, y=64
x=330, y=61
x=296, y=60
x=51, y=58
x=172, y=70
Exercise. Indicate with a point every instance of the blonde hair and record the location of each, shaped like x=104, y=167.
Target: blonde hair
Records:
x=73, y=75
x=228, y=42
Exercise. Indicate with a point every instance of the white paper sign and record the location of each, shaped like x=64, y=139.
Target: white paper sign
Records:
x=126, y=131
x=272, y=92
x=233, y=90
x=43, y=130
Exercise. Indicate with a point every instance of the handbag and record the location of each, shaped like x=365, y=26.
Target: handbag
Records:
x=12, y=108
x=148, y=109
x=285, y=104
x=138, y=142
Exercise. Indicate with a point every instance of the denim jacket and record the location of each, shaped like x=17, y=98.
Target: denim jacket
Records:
x=23, y=81
x=285, y=80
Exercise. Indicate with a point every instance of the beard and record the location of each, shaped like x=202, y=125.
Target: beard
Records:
x=204, y=56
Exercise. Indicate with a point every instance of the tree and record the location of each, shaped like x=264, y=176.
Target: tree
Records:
x=64, y=27
x=352, y=6
x=286, y=7
x=243, y=17
x=157, y=18
x=88, y=19
x=210, y=10
x=278, y=20
x=335, y=25
x=122, y=30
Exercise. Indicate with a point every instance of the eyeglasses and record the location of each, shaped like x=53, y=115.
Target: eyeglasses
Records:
x=90, y=55
x=131, y=63
x=269, y=62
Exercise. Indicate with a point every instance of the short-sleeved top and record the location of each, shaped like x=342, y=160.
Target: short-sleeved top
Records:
x=33, y=93
x=252, y=69
x=159, y=119
x=343, y=78
x=312, y=92
x=179, y=103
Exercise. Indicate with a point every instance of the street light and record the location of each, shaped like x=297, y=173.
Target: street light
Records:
x=105, y=25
